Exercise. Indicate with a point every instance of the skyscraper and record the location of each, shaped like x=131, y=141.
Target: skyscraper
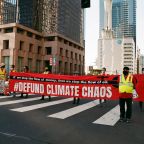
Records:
x=116, y=44
x=123, y=18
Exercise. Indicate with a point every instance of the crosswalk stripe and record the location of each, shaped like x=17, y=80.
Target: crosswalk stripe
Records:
x=19, y=101
x=3, y=97
x=17, y=95
x=75, y=110
x=110, y=118
x=42, y=105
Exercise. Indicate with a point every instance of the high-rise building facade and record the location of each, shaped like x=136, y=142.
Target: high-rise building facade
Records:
x=54, y=29
x=117, y=41
x=123, y=18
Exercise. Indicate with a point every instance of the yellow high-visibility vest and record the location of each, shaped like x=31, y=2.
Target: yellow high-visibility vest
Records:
x=2, y=74
x=126, y=85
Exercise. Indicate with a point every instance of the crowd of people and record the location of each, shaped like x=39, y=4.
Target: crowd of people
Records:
x=127, y=83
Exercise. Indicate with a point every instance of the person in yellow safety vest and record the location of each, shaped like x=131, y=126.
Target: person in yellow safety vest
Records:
x=2, y=71
x=2, y=77
x=126, y=87
x=12, y=69
x=46, y=72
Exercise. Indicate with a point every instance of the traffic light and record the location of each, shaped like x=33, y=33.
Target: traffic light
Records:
x=85, y=3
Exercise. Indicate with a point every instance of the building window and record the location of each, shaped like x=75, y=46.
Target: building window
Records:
x=76, y=56
x=50, y=38
x=21, y=47
x=39, y=49
x=8, y=30
x=61, y=51
x=21, y=31
x=48, y=50
x=30, y=47
x=6, y=60
x=30, y=64
x=38, y=63
x=20, y=64
x=79, y=57
x=29, y=34
x=71, y=55
x=38, y=37
x=66, y=53
x=6, y=44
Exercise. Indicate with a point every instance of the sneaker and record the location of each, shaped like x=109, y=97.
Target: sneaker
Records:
x=121, y=120
x=128, y=120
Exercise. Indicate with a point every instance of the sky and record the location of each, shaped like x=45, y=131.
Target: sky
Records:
x=92, y=30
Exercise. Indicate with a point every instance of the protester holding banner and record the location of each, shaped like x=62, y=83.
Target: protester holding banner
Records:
x=12, y=69
x=127, y=83
x=103, y=73
x=76, y=100
x=46, y=72
x=2, y=78
x=25, y=70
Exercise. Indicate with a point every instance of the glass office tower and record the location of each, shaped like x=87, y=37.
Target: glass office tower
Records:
x=123, y=18
x=49, y=16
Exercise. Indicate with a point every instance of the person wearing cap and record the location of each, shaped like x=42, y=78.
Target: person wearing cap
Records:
x=2, y=71
x=103, y=72
x=46, y=72
x=127, y=83
x=25, y=70
x=2, y=77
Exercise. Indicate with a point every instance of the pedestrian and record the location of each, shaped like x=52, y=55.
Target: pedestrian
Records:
x=25, y=70
x=46, y=72
x=2, y=71
x=126, y=86
x=2, y=78
x=140, y=102
x=76, y=100
x=12, y=69
x=103, y=73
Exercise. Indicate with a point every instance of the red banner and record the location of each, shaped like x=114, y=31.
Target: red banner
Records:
x=93, y=87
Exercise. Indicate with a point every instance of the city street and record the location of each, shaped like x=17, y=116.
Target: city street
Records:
x=59, y=121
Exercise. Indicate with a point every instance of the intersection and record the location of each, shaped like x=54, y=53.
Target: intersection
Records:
x=32, y=121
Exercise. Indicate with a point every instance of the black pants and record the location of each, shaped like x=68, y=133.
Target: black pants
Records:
x=100, y=101
x=125, y=112
x=26, y=95
x=141, y=105
x=76, y=100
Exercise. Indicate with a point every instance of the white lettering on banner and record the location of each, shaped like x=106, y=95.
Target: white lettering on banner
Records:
x=63, y=90
x=97, y=92
x=29, y=87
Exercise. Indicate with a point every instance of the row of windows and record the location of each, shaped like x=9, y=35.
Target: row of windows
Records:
x=70, y=54
x=38, y=37
x=48, y=50
x=21, y=31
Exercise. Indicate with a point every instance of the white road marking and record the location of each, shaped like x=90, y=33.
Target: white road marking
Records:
x=110, y=118
x=18, y=101
x=42, y=105
x=75, y=110
x=17, y=95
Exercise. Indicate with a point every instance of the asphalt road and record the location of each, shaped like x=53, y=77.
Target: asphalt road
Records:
x=32, y=121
